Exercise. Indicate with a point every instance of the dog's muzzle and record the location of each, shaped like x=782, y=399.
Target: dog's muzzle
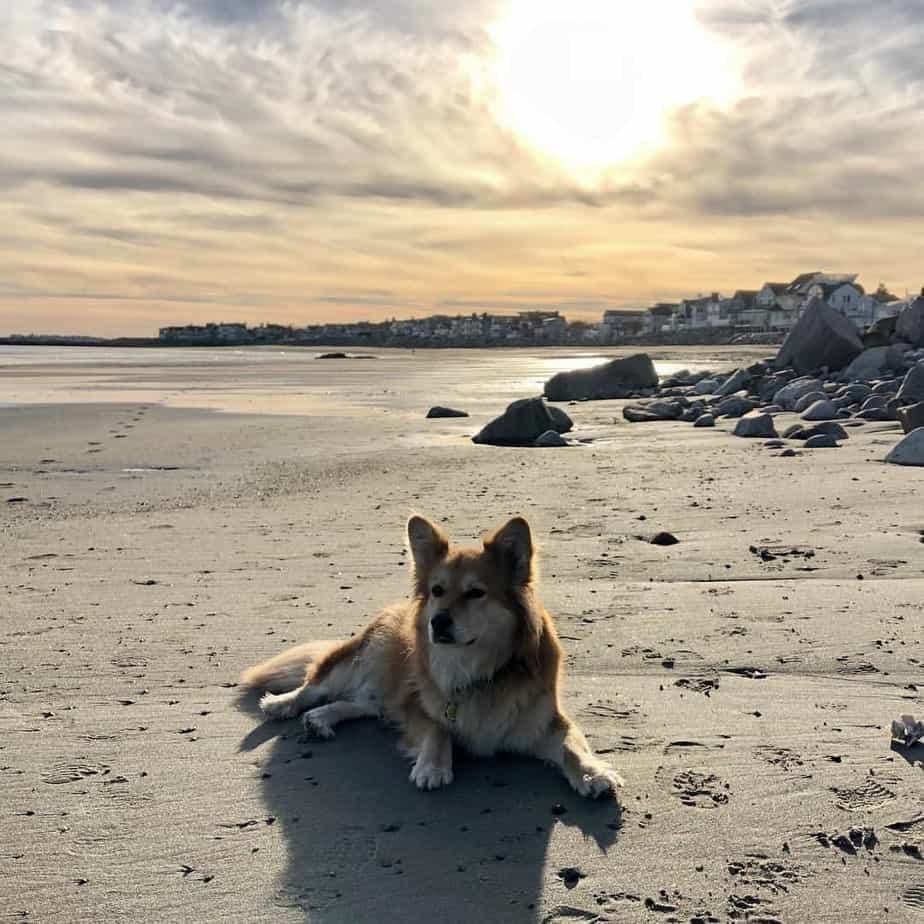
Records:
x=441, y=628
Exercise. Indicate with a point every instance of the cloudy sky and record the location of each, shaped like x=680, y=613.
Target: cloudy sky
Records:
x=322, y=160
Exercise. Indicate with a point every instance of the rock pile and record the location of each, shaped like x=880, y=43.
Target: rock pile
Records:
x=824, y=373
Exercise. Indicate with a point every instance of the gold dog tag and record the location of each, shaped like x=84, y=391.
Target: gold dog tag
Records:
x=450, y=712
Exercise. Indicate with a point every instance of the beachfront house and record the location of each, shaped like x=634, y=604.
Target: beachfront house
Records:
x=747, y=314
x=659, y=318
x=620, y=325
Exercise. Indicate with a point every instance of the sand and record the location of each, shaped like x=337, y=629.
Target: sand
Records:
x=166, y=538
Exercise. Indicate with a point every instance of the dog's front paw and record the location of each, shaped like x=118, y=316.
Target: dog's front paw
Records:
x=316, y=727
x=279, y=706
x=425, y=775
x=596, y=780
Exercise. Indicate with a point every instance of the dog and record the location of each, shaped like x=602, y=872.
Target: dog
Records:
x=471, y=659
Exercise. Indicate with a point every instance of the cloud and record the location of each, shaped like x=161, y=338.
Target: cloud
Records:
x=288, y=157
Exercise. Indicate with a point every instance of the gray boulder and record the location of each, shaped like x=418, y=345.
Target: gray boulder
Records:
x=445, y=412
x=550, y=438
x=704, y=420
x=821, y=337
x=911, y=417
x=656, y=410
x=910, y=451
x=820, y=410
x=735, y=382
x=887, y=387
x=706, y=387
x=910, y=324
x=734, y=406
x=821, y=441
x=520, y=424
x=756, y=425
x=615, y=379
x=787, y=396
x=912, y=390
x=562, y=422
x=868, y=364
x=806, y=401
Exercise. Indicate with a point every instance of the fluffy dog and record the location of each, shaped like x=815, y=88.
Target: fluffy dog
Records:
x=472, y=658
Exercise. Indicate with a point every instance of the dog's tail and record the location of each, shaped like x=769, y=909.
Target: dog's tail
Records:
x=286, y=671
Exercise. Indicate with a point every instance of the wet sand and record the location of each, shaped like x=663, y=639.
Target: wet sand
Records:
x=742, y=680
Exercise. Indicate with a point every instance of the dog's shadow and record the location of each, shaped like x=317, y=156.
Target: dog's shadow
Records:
x=364, y=845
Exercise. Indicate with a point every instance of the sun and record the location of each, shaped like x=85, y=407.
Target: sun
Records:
x=588, y=82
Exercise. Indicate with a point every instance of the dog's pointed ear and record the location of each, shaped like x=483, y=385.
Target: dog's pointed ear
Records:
x=513, y=545
x=428, y=545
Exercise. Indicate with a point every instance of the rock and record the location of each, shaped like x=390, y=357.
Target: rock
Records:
x=893, y=406
x=910, y=323
x=704, y=420
x=550, y=438
x=821, y=441
x=333, y=356
x=857, y=391
x=735, y=382
x=820, y=410
x=787, y=396
x=832, y=428
x=880, y=333
x=656, y=410
x=788, y=453
x=874, y=413
x=806, y=401
x=756, y=425
x=772, y=409
x=912, y=388
x=561, y=421
x=615, y=379
x=665, y=539
x=910, y=451
x=868, y=364
x=774, y=444
x=821, y=337
x=735, y=406
x=520, y=424
x=874, y=401
x=911, y=417
x=887, y=387
x=445, y=412
x=706, y=387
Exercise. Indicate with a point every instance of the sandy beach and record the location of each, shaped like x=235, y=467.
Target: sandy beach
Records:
x=168, y=518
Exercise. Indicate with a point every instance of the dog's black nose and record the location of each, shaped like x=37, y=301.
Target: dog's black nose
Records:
x=441, y=624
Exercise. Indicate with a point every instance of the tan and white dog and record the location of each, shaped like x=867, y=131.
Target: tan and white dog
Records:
x=472, y=658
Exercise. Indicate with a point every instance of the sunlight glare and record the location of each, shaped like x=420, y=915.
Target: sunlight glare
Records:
x=588, y=81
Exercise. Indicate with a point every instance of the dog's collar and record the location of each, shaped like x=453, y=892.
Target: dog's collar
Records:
x=460, y=694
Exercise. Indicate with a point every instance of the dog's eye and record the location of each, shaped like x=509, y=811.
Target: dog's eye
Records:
x=437, y=590
x=476, y=593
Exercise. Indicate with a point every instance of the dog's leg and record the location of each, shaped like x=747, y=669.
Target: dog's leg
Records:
x=567, y=748
x=429, y=745
x=320, y=721
x=288, y=705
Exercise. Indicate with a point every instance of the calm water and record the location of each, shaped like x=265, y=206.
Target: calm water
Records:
x=293, y=380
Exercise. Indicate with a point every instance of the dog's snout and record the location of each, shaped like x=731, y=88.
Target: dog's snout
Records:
x=441, y=622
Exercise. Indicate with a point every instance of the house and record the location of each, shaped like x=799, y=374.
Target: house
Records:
x=618, y=325
x=660, y=317
x=845, y=297
x=747, y=311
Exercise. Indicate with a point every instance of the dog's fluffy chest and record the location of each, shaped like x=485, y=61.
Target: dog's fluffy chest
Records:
x=484, y=722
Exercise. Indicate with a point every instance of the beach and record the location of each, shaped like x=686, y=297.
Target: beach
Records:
x=170, y=517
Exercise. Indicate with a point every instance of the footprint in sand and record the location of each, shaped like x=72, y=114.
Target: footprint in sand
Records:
x=869, y=794
x=700, y=790
x=71, y=773
x=784, y=758
x=914, y=896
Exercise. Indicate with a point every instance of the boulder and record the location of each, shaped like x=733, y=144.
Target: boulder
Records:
x=734, y=406
x=550, y=438
x=874, y=401
x=806, y=401
x=756, y=425
x=887, y=387
x=704, y=420
x=821, y=441
x=787, y=396
x=561, y=421
x=821, y=337
x=615, y=379
x=706, y=387
x=910, y=451
x=438, y=411
x=880, y=333
x=857, y=391
x=912, y=389
x=910, y=323
x=735, y=382
x=656, y=410
x=911, y=417
x=820, y=410
x=772, y=409
x=868, y=365
x=520, y=424
x=874, y=413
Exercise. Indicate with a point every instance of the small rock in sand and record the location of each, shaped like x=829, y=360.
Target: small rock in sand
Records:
x=439, y=411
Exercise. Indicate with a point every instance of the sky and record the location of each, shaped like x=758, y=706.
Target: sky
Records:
x=306, y=161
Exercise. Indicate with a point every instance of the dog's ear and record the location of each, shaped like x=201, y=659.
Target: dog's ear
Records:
x=513, y=546
x=428, y=545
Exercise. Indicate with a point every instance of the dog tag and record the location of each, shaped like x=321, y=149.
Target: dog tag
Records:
x=450, y=712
